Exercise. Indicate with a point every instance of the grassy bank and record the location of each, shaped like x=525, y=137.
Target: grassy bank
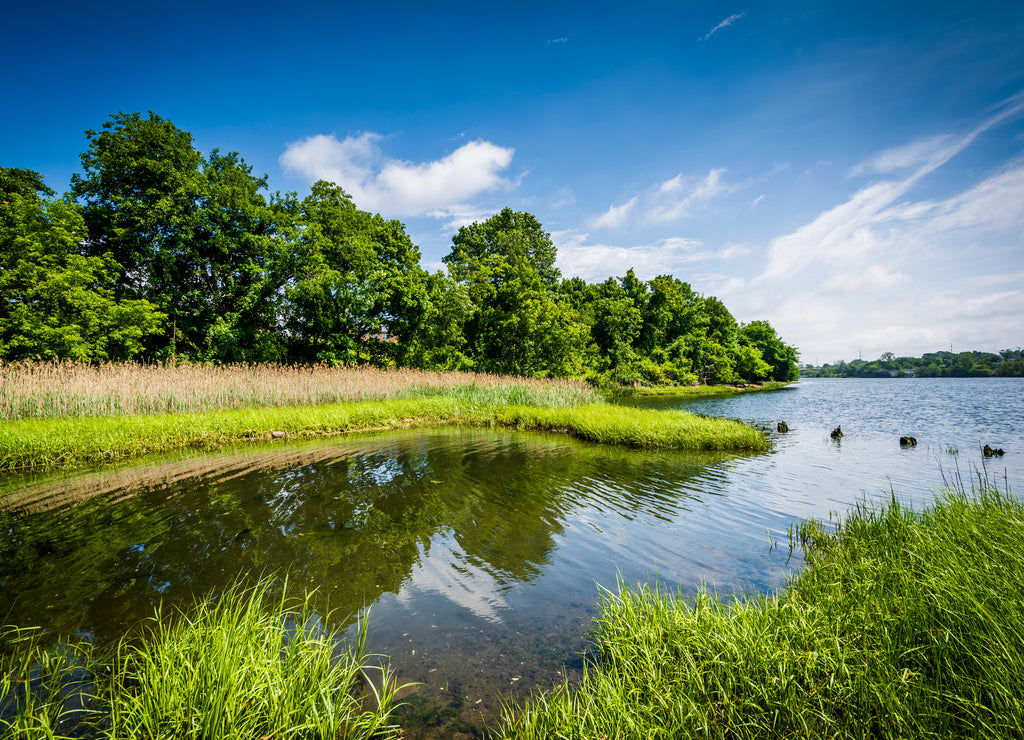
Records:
x=245, y=665
x=698, y=390
x=73, y=441
x=900, y=625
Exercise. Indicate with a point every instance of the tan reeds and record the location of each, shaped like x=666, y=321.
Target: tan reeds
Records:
x=71, y=389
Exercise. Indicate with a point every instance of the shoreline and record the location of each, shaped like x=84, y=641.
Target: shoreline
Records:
x=698, y=390
x=78, y=441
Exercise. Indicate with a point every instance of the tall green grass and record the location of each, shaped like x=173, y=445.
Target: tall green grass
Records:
x=245, y=665
x=73, y=441
x=42, y=688
x=901, y=625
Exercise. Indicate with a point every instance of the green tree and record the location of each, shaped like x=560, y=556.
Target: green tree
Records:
x=522, y=324
x=354, y=291
x=780, y=356
x=672, y=311
x=440, y=343
x=192, y=235
x=55, y=301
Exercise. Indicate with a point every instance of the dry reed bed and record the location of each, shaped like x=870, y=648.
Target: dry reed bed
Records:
x=71, y=389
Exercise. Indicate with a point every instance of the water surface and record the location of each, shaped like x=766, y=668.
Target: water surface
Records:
x=481, y=552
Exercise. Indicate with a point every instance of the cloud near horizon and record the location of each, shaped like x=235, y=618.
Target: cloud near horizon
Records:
x=884, y=272
x=397, y=188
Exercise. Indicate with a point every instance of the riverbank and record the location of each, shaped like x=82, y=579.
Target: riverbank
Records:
x=67, y=442
x=696, y=390
x=901, y=624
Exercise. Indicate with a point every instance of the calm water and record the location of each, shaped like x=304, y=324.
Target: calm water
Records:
x=481, y=553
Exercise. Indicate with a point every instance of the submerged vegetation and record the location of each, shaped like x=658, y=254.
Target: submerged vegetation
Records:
x=243, y=665
x=901, y=624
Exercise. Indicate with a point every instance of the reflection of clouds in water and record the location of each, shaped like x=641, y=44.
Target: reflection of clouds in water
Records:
x=448, y=573
x=381, y=469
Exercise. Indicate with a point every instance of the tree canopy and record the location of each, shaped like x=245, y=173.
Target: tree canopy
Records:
x=159, y=251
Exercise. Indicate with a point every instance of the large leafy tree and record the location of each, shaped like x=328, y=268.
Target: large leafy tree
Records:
x=781, y=358
x=521, y=323
x=354, y=288
x=440, y=342
x=192, y=234
x=56, y=302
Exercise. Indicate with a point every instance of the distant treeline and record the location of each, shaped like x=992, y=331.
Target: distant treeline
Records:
x=157, y=252
x=1008, y=363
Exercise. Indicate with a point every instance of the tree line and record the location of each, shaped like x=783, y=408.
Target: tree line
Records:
x=1007, y=363
x=158, y=252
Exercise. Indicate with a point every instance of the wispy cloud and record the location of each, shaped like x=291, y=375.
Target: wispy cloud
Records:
x=615, y=217
x=851, y=229
x=455, y=217
x=579, y=257
x=560, y=40
x=394, y=187
x=884, y=272
x=724, y=24
x=680, y=197
x=672, y=200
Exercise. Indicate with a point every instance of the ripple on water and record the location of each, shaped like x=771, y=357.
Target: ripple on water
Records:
x=481, y=551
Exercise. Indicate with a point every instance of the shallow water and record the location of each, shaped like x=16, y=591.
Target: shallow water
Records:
x=481, y=553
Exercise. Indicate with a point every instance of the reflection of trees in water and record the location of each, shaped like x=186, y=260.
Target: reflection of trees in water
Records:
x=351, y=520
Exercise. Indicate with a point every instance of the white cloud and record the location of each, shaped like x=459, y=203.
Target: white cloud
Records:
x=851, y=230
x=679, y=197
x=904, y=157
x=394, y=187
x=883, y=272
x=578, y=257
x=872, y=279
x=723, y=24
x=615, y=217
x=566, y=197
x=458, y=216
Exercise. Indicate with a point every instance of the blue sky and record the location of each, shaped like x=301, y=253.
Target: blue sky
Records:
x=852, y=172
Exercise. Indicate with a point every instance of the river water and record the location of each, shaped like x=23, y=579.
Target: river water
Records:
x=481, y=554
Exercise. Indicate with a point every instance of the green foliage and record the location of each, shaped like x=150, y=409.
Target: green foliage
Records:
x=780, y=357
x=192, y=235
x=353, y=276
x=56, y=303
x=158, y=230
x=520, y=323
